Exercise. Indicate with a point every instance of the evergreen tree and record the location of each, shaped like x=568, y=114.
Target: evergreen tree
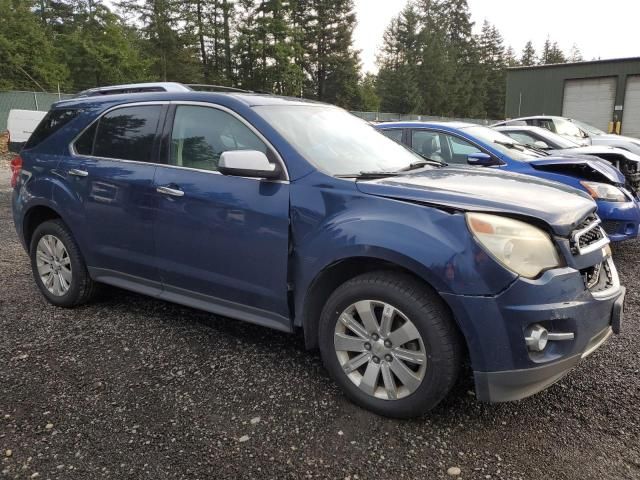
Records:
x=492, y=56
x=510, y=57
x=170, y=47
x=331, y=63
x=529, y=56
x=552, y=53
x=576, y=54
x=98, y=49
x=369, y=99
x=29, y=60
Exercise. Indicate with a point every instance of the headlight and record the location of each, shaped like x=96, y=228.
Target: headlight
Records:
x=604, y=191
x=520, y=247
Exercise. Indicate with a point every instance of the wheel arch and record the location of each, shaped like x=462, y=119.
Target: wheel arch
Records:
x=35, y=216
x=342, y=270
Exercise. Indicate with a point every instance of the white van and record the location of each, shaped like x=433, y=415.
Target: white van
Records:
x=21, y=124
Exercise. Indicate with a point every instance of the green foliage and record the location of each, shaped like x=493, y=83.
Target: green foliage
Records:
x=430, y=61
x=29, y=60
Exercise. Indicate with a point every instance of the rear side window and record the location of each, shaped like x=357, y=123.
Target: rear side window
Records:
x=395, y=134
x=123, y=134
x=51, y=123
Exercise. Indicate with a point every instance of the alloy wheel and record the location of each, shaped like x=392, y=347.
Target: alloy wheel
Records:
x=54, y=265
x=380, y=350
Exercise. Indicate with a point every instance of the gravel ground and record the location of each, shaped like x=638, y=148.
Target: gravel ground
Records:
x=130, y=387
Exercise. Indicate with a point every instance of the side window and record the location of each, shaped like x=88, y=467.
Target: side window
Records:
x=461, y=149
x=395, y=134
x=545, y=123
x=50, y=124
x=124, y=134
x=568, y=129
x=201, y=134
x=521, y=137
x=427, y=144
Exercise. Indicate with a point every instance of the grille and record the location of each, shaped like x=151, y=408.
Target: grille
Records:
x=588, y=236
x=601, y=277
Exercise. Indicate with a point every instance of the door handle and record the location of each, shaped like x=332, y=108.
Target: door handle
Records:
x=78, y=173
x=174, y=192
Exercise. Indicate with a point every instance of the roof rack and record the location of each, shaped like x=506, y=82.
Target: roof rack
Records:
x=215, y=88
x=135, y=88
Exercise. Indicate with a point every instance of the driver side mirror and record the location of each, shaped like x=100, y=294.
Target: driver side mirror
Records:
x=247, y=163
x=480, y=159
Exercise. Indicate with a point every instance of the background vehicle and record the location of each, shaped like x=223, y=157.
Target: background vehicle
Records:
x=463, y=143
x=540, y=138
x=21, y=124
x=297, y=215
x=577, y=131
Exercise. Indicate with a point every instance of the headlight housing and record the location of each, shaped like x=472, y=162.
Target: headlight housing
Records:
x=520, y=247
x=604, y=191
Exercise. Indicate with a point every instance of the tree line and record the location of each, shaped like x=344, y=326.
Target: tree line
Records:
x=430, y=61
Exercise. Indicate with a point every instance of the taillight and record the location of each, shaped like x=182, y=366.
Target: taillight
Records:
x=16, y=168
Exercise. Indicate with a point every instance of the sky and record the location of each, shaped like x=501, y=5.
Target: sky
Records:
x=601, y=29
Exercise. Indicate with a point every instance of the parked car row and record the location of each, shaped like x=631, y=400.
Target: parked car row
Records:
x=295, y=215
x=460, y=143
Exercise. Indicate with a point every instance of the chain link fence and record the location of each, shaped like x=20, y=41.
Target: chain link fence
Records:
x=26, y=101
x=399, y=117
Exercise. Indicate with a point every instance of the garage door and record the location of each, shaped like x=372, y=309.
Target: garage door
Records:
x=631, y=115
x=591, y=100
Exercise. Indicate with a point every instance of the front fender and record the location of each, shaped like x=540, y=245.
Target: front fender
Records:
x=433, y=244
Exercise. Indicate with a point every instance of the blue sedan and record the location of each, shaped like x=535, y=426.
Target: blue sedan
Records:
x=469, y=144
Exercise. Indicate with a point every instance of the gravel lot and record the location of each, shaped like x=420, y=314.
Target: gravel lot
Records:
x=130, y=387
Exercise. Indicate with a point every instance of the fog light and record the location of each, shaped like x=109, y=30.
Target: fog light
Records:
x=537, y=338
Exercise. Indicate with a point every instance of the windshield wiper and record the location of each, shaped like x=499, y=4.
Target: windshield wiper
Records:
x=368, y=175
x=539, y=150
x=510, y=145
x=423, y=163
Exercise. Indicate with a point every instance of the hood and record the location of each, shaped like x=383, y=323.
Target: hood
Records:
x=628, y=143
x=597, y=150
x=486, y=190
x=585, y=167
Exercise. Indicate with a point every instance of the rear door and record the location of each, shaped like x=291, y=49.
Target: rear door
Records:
x=111, y=171
x=222, y=242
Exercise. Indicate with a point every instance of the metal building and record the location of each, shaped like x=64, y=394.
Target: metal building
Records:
x=603, y=93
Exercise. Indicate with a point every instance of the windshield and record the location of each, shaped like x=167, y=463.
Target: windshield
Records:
x=337, y=142
x=502, y=143
x=591, y=130
x=562, y=142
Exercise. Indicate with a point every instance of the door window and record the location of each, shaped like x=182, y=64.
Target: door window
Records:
x=123, y=134
x=427, y=144
x=461, y=149
x=395, y=134
x=201, y=134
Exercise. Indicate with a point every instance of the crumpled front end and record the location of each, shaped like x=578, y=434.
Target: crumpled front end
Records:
x=576, y=308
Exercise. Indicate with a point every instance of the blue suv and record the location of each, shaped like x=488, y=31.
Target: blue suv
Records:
x=298, y=216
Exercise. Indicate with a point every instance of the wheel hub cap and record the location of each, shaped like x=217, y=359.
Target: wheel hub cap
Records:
x=380, y=350
x=54, y=265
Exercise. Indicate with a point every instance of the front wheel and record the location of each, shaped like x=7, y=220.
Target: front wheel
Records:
x=389, y=341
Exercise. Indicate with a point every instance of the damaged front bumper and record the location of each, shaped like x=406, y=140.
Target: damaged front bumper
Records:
x=505, y=369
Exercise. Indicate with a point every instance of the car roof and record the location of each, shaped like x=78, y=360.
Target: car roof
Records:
x=529, y=128
x=247, y=99
x=419, y=124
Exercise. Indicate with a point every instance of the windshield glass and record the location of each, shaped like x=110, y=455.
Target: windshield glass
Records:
x=562, y=142
x=499, y=141
x=337, y=142
x=591, y=130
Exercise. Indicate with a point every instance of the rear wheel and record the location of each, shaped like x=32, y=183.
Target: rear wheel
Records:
x=390, y=343
x=58, y=267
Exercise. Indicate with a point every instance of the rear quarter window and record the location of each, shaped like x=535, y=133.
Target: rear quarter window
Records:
x=50, y=124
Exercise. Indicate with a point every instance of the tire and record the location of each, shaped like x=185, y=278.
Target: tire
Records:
x=69, y=266
x=407, y=303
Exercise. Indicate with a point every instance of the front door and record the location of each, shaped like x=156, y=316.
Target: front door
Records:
x=221, y=241
x=111, y=173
